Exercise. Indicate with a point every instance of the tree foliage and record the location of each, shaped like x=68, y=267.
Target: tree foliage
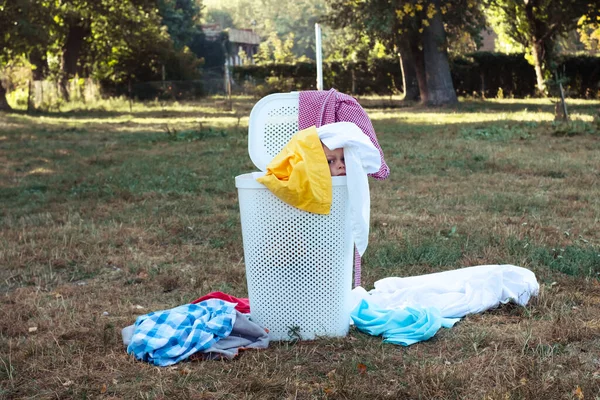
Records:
x=182, y=19
x=127, y=40
x=389, y=20
x=23, y=32
x=418, y=31
x=23, y=25
x=275, y=50
x=589, y=33
x=273, y=20
x=111, y=40
x=537, y=24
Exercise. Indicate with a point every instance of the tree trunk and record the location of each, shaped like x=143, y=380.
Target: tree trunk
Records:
x=37, y=58
x=4, y=106
x=539, y=30
x=78, y=30
x=537, y=51
x=419, y=59
x=410, y=84
x=437, y=69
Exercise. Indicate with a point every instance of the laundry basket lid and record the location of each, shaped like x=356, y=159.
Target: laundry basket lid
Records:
x=273, y=121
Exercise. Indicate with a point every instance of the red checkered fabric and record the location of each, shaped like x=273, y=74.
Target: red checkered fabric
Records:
x=357, y=268
x=318, y=107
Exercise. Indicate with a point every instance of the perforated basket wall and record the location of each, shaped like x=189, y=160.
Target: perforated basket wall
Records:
x=273, y=121
x=298, y=265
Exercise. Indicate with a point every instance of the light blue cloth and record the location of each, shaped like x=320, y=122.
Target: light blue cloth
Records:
x=169, y=336
x=404, y=326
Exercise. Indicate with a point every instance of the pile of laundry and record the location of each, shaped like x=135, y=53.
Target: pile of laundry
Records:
x=408, y=310
x=403, y=311
x=211, y=327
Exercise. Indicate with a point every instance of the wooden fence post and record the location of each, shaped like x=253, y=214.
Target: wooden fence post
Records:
x=29, y=97
x=129, y=95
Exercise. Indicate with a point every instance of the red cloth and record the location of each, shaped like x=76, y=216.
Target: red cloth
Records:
x=319, y=107
x=243, y=305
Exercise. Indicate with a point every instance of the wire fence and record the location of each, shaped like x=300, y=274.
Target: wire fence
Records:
x=47, y=94
x=51, y=94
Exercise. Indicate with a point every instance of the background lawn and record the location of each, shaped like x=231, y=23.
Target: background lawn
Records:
x=107, y=213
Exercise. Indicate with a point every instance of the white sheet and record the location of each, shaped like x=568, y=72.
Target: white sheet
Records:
x=455, y=293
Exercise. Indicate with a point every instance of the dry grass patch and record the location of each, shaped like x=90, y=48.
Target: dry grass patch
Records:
x=107, y=215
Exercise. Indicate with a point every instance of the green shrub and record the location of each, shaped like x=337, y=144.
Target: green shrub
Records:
x=482, y=74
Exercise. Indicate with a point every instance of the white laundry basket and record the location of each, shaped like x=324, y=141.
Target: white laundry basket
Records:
x=298, y=264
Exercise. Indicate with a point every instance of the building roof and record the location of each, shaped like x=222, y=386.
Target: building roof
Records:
x=245, y=36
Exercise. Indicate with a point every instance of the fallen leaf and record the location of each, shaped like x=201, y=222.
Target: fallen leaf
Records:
x=331, y=374
x=67, y=383
x=523, y=381
x=362, y=368
x=104, y=388
x=578, y=393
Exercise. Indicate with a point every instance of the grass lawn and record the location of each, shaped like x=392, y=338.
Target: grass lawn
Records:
x=110, y=213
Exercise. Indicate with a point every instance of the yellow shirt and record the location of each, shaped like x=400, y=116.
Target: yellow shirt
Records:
x=299, y=174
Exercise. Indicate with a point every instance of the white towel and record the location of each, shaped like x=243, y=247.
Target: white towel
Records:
x=361, y=158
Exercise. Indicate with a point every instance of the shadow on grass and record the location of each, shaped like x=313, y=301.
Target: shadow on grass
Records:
x=494, y=107
x=102, y=114
x=243, y=108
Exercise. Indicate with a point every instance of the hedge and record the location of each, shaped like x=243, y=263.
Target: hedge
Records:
x=381, y=77
x=481, y=74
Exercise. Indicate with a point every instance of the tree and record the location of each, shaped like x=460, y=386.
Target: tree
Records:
x=416, y=30
x=153, y=38
x=182, y=19
x=140, y=48
x=126, y=40
x=273, y=17
x=112, y=40
x=536, y=25
x=24, y=31
x=275, y=50
x=221, y=17
x=440, y=89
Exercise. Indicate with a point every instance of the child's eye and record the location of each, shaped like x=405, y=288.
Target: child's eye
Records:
x=329, y=161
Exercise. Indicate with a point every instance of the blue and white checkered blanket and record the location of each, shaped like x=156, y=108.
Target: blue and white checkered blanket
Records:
x=169, y=336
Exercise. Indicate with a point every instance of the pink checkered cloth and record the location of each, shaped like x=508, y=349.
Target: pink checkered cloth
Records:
x=318, y=107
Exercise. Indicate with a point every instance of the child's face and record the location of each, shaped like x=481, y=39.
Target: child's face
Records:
x=335, y=159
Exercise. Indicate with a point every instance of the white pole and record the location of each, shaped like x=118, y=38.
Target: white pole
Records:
x=319, y=58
